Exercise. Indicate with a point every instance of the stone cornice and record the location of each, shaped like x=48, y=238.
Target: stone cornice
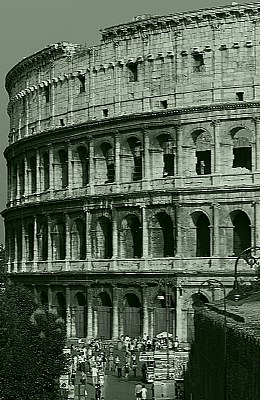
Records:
x=149, y=24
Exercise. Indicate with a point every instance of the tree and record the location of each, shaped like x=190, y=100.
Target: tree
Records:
x=31, y=347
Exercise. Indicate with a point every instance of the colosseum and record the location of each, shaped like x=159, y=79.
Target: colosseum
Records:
x=134, y=168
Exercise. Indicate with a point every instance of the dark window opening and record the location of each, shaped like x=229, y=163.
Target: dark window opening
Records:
x=240, y=96
x=133, y=76
x=198, y=65
x=23, y=105
x=203, y=237
x=64, y=168
x=108, y=153
x=46, y=171
x=62, y=122
x=203, y=166
x=106, y=227
x=164, y=104
x=30, y=242
x=84, y=161
x=168, y=169
x=82, y=87
x=105, y=112
x=44, y=249
x=242, y=233
x=242, y=157
x=22, y=178
x=166, y=225
x=137, y=175
x=33, y=174
x=47, y=94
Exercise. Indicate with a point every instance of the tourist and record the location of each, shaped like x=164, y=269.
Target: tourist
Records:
x=126, y=370
x=144, y=393
x=94, y=375
x=134, y=368
x=138, y=391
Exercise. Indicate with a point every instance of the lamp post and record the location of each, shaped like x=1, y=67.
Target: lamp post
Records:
x=165, y=297
x=211, y=283
x=251, y=260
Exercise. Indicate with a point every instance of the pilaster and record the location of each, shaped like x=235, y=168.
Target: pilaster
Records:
x=89, y=295
x=179, y=137
x=115, y=327
x=145, y=310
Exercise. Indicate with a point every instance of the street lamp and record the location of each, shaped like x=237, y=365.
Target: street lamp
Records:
x=165, y=297
x=211, y=283
x=251, y=260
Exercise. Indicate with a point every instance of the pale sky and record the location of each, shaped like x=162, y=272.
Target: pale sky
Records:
x=27, y=26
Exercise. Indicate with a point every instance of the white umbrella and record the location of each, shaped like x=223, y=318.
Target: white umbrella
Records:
x=163, y=335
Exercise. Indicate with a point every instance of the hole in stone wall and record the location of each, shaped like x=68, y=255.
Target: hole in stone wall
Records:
x=105, y=112
x=47, y=93
x=164, y=104
x=240, y=96
x=62, y=122
x=133, y=76
x=82, y=87
x=198, y=63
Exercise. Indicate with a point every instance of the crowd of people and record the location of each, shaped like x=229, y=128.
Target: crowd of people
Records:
x=95, y=358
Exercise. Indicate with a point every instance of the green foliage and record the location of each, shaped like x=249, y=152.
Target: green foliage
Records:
x=31, y=343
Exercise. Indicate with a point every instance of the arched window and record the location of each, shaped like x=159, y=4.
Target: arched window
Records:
x=14, y=180
x=44, y=299
x=108, y=153
x=46, y=170
x=136, y=148
x=19, y=241
x=12, y=239
x=132, y=315
x=104, y=317
x=32, y=166
x=22, y=177
x=84, y=165
x=202, y=141
x=59, y=241
x=30, y=243
x=43, y=242
x=241, y=233
x=80, y=315
x=103, y=238
x=63, y=159
x=60, y=302
x=168, y=148
x=131, y=237
x=242, y=151
x=78, y=240
x=162, y=236
x=160, y=314
x=202, y=225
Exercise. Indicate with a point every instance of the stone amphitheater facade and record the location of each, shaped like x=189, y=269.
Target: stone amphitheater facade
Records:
x=134, y=168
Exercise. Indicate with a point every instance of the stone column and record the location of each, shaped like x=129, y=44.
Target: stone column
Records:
x=35, y=293
x=38, y=176
x=95, y=323
x=178, y=230
x=146, y=162
x=68, y=243
x=39, y=110
x=145, y=232
x=115, y=234
x=89, y=296
x=216, y=135
x=179, y=137
x=88, y=237
x=50, y=300
x=49, y=243
x=26, y=178
x=145, y=310
x=70, y=169
x=68, y=311
x=115, y=327
x=256, y=205
x=35, y=244
x=151, y=324
x=91, y=166
x=257, y=143
x=51, y=168
x=15, y=252
x=117, y=159
x=215, y=241
x=178, y=318
x=25, y=248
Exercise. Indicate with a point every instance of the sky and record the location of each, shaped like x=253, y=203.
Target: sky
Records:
x=27, y=26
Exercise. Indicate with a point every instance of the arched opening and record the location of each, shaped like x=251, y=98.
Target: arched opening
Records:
x=32, y=166
x=169, y=150
x=108, y=153
x=14, y=180
x=44, y=299
x=202, y=227
x=43, y=241
x=61, y=305
x=12, y=238
x=84, y=165
x=46, y=170
x=63, y=159
x=80, y=315
x=104, y=318
x=131, y=237
x=242, y=151
x=78, y=240
x=136, y=149
x=19, y=241
x=202, y=141
x=103, y=238
x=198, y=301
x=162, y=236
x=241, y=232
x=22, y=177
x=132, y=315
x=59, y=241
x=161, y=314
x=30, y=244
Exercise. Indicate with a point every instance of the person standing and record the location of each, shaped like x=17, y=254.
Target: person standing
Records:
x=94, y=375
x=143, y=393
x=119, y=369
x=138, y=391
x=127, y=370
x=134, y=368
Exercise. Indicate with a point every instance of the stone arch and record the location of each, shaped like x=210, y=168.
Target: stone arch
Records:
x=22, y=177
x=79, y=315
x=132, y=315
x=30, y=241
x=136, y=149
x=197, y=301
x=46, y=170
x=109, y=158
x=131, y=237
x=203, y=234
x=78, y=239
x=198, y=152
x=241, y=231
x=33, y=175
x=102, y=238
x=162, y=237
x=58, y=235
x=104, y=315
x=63, y=172
x=168, y=146
x=43, y=241
x=81, y=168
x=242, y=148
x=163, y=317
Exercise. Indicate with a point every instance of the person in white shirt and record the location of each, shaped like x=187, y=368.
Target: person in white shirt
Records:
x=144, y=393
